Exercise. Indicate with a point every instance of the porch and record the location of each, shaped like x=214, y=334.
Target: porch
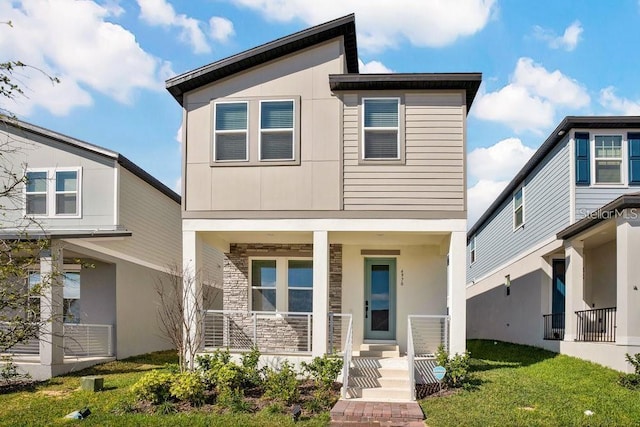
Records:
x=596, y=325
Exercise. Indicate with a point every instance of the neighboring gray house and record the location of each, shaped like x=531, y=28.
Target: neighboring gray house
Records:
x=549, y=263
x=98, y=207
x=336, y=197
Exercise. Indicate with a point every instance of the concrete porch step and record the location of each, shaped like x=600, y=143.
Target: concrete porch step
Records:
x=384, y=382
x=378, y=347
x=379, y=350
x=358, y=413
x=380, y=394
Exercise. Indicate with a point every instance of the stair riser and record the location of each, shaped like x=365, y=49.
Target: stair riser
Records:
x=379, y=347
x=379, y=373
x=377, y=353
x=379, y=382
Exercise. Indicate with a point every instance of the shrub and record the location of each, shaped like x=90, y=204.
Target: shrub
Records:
x=233, y=399
x=251, y=373
x=188, y=386
x=282, y=384
x=457, y=367
x=323, y=370
x=632, y=381
x=153, y=386
x=218, y=371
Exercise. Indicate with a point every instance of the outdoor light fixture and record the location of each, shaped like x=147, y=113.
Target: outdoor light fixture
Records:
x=507, y=280
x=295, y=412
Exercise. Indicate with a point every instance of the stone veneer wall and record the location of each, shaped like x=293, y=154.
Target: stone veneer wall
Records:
x=273, y=334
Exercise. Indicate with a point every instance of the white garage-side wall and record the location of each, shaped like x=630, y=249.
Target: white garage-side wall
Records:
x=421, y=286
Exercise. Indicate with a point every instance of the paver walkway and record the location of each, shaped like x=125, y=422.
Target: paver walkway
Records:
x=357, y=413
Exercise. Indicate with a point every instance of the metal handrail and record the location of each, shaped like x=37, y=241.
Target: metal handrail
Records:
x=428, y=341
x=346, y=358
x=596, y=325
x=411, y=359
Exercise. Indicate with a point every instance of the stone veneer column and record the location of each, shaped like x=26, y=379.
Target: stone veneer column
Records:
x=51, y=302
x=335, y=278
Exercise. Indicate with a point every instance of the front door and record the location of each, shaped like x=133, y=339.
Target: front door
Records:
x=380, y=298
x=558, y=293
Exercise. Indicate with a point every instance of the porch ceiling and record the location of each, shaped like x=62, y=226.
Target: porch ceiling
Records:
x=600, y=235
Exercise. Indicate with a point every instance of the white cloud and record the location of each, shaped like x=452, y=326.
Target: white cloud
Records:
x=373, y=67
x=480, y=197
x=179, y=135
x=530, y=100
x=73, y=41
x=177, y=186
x=500, y=161
x=567, y=41
x=160, y=12
x=382, y=24
x=493, y=167
x=617, y=105
x=220, y=29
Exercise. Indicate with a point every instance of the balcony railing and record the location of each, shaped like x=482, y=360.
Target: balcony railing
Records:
x=554, y=326
x=271, y=332
x=425, y=333
x=598, y=325
x=79, y=339
x=341, y=342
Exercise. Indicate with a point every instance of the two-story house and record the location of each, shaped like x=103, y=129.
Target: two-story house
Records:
x=550, y=263
x=114, y=233
x=333, y=195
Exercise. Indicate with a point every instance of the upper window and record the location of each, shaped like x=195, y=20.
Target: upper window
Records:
x=381, y=128
x=282, y=284
x=518, y=208
x=52, y=192
x=230, y=133
x=608, y=159
x=36, y=193
x=472, y=247
x=276, y=130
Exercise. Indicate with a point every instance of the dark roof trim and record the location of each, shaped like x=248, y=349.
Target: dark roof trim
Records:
x=569, y=122
x=469, y=82
x=606, y=212
x=122, y=160
x=345, y=26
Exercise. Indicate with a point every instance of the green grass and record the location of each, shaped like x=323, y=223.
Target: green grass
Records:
x=526, y=386
x=49, y=402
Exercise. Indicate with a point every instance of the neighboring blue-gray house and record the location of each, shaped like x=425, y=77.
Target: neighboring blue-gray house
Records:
x=549, y=263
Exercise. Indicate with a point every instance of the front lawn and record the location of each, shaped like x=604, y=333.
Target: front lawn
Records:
x=526, y=386
x=48, y=403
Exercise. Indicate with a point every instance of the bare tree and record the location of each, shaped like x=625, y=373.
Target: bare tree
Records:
x=182, y=295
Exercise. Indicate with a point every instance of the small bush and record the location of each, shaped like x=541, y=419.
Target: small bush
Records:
x=321, y=400
x=9, y=371
x=154, y=386
x=189, y=387
x=634, y=361
x=282, y=384
x=218, y=371
x=233, y=399
x=630, y=381
x=251, y=374
x=323, y=370
x=457, y=367
x=166, y=408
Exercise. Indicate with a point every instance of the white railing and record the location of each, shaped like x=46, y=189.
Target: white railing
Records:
x=425, y=333
x=83, y=339
x=271, y=332
x=79, y=339
x=341, y=341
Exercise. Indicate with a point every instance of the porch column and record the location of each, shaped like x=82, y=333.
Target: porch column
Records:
x=457, y=299
x=320, y=292
x=574, y=290
x=192, y=294
x=628, y=279
x=51, y=302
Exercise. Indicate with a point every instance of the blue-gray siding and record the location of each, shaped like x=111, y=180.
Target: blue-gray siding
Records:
x=546, y=210
x=589, y=199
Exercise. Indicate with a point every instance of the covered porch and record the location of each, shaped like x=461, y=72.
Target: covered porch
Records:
x=304, y=288
x=601, y=320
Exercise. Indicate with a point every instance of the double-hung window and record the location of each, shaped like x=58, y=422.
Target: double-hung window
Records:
x=230, y=133
x=282, y=284
x=518, y=208
x=52, y=192
x=277, y=130
x=381, y=128
x=608, y=159
x=36, y=193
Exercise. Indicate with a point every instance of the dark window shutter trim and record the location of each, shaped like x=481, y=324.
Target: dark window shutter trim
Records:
x=583, y=163
x=634, y=158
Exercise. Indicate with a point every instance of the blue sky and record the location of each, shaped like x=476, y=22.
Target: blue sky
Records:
x=540, y=61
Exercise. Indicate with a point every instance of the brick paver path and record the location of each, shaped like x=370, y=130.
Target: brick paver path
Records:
x=360, y=414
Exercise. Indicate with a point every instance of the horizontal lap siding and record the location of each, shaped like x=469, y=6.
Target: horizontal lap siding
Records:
x=547, y=205
x=432, y=178
x=590, y=199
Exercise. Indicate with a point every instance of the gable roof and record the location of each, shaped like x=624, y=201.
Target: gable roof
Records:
x=345, y=26
x=469, y=82
x=569, y=122
x=104, y=152
x=607, y=211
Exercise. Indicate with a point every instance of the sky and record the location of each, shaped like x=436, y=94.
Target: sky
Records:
x=540, y=61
